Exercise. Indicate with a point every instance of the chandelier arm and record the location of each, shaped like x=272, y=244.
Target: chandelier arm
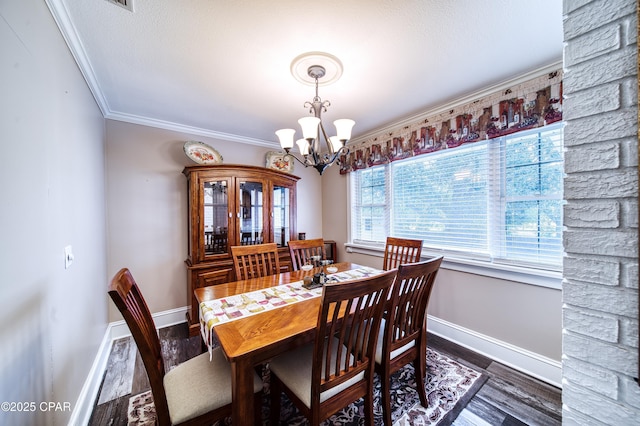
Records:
x=330, y=159
x=304, y=163
x=343, y=150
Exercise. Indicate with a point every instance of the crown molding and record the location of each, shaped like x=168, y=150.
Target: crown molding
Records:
x=167, y=125
x=70, y=35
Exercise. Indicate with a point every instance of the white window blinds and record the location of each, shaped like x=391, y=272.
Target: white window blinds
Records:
x=532, y=199
x=369, y=195
x=441, y=198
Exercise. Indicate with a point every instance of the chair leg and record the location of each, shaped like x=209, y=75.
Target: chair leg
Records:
x=314, y=419
x=275, y=390
x=385, y=390
x=420, y=368
x=368, y=408
x=257, y=408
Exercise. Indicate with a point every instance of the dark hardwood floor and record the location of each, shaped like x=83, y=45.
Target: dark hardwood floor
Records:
x=507, y=398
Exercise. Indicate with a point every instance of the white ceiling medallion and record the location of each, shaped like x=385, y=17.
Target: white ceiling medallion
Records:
x=332, y=68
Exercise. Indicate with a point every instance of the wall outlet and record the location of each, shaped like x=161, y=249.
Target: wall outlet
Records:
x=68, y=257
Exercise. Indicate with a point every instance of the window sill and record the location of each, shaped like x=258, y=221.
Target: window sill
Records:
x=531, y=276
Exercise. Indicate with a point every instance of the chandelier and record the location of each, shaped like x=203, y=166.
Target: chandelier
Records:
x=312, y=128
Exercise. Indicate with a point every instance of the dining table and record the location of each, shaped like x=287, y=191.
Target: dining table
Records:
x=252, y=335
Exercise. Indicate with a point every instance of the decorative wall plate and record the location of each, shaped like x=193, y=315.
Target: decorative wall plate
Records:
x=278, y=161
x=202, y=153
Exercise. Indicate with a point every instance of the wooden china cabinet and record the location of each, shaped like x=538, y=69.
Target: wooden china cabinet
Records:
x=233, y=205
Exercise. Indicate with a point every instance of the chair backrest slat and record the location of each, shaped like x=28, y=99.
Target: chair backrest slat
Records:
x=255, y=261
x=302, y=250
x=401, y=250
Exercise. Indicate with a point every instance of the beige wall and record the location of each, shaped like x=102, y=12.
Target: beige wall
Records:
x=52, y=319
x=334, y=208
x=147, y=206
x=523, y=315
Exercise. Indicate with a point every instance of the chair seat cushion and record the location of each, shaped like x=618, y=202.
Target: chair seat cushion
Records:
x=393, y=354
x=294, y=370
x=198, y=386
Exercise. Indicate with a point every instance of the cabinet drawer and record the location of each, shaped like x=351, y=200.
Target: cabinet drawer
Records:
x=209, y=277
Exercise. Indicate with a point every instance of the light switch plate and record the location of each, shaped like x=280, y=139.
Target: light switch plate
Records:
x=68, y=257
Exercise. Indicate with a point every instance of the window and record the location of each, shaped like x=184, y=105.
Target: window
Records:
x=372, y=189
x=498, y=200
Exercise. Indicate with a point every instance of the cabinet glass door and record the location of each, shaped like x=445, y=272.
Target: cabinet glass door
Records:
x=216, y=219
x=281, y=221
x=250, y=213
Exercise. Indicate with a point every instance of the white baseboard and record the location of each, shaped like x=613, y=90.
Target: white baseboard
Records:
x=116, y=330
x=84, y=405
x=533, y=364
x=119, y=329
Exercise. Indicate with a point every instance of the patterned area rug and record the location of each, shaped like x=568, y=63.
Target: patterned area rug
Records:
x=141, y=409
x=450, y=385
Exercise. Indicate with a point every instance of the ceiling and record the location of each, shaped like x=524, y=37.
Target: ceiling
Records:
x=222, y=68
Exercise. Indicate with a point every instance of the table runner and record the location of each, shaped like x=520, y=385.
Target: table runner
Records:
x=230, y=308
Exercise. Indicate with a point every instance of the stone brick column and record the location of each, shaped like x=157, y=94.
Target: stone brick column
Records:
x=600, y=288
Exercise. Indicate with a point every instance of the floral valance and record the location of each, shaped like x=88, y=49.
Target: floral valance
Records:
x=533, y=103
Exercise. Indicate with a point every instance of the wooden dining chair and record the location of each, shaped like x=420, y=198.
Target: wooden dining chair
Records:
x=196, y=392
x=255, y=261
x=337, y=369
x=403, y=335
x=302, y=250
x=401, y=250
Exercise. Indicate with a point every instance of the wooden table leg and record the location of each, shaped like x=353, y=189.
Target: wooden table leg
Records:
x=242, y=393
